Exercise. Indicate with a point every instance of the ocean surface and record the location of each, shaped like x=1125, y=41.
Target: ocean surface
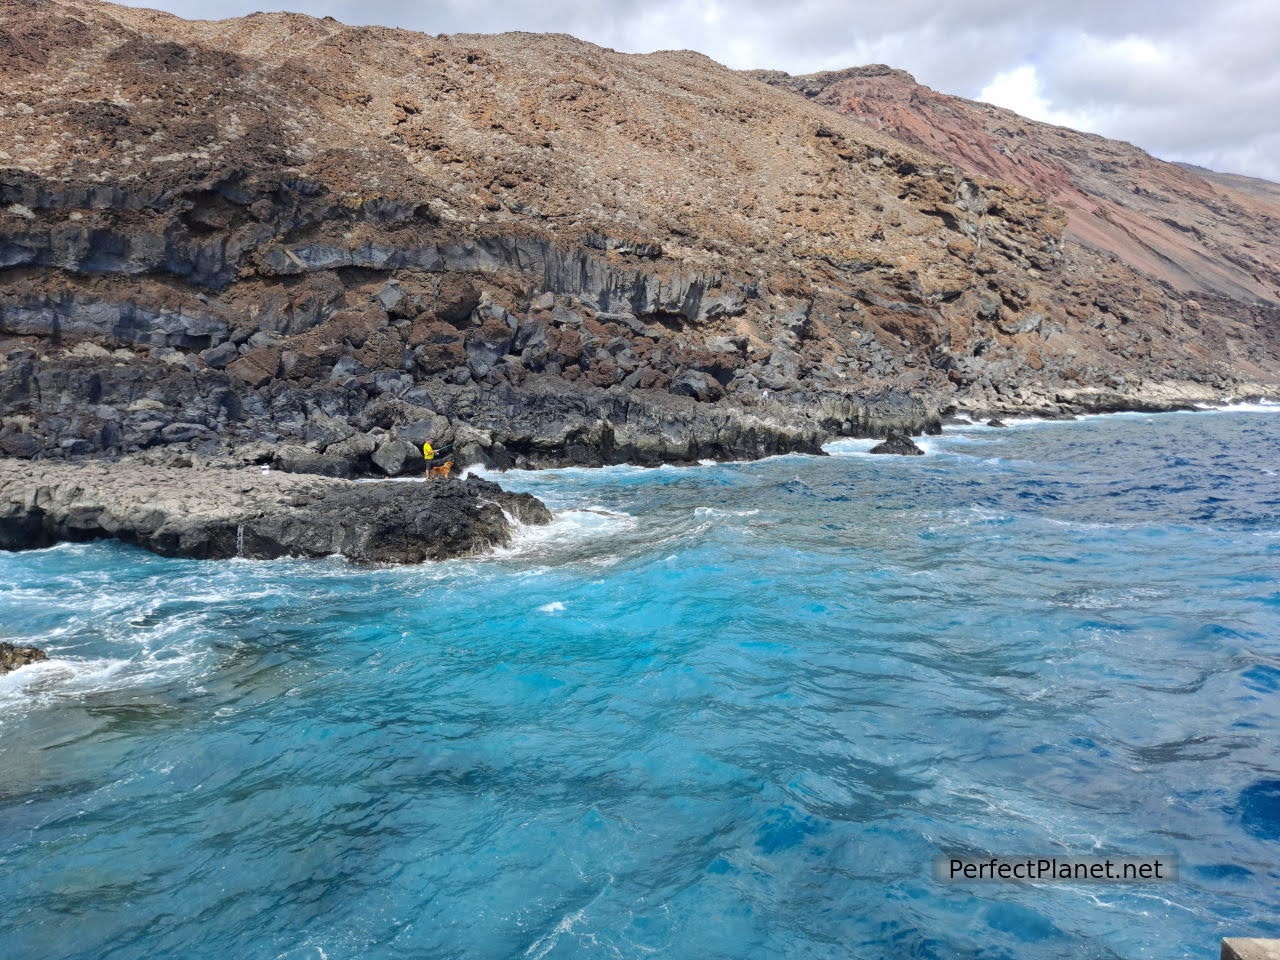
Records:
x=722, y=711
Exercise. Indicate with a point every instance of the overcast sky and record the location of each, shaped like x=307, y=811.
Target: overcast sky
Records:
x=1193, y=80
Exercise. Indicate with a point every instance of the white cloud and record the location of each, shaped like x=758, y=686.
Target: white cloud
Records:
x=1019, y=90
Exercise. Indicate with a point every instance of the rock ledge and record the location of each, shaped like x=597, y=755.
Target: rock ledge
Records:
x=220, y=514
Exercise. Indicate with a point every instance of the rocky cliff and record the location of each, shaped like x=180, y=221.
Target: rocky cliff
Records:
x=282, y=238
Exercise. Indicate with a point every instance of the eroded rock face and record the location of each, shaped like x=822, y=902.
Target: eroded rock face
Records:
x=219, y=514
x=576, y=277
x=12, y=656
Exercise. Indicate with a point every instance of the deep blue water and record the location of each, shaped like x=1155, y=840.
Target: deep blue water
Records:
x=724, y=711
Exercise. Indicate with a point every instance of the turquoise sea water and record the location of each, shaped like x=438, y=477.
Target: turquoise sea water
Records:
x=726, y=711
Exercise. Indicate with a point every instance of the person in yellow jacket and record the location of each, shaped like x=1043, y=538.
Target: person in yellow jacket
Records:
x=430, y=453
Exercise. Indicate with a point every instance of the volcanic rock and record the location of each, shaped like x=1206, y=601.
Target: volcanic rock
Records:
x=12, y=657
x=219, y=514
x=395, y=457
x=900, y=444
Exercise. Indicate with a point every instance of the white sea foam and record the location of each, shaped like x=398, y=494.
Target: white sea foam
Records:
x=146, y=638
x=61, y=678
x=1262, y=406
x=567, y=527
x=57, y=671
x=549, y=473
x=547, y=942
x=1011, y=422
x=555, y=606
x=850, y=447
x=931, y=445
x=720, y=512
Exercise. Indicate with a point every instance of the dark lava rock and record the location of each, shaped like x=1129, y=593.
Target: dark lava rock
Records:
x=900, y=444
x=12, y=657
x=993, y=422
x=221, y=355
x=394, y=457
x=217, y=514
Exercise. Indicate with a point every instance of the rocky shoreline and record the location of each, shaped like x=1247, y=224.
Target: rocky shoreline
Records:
x=226, y=511
x=214, y=513
x=223, y=509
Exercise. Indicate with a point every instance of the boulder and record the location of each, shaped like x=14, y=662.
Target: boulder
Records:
x=353, y=448
x=257, y=367
x=696, y=384
x=530, y=335
x=433, y=428
x=899, y=444
x=347, y=366
x=221, y=355
x=485, y=346
x=390, y=295
x=295, y=458
x=394, y=457
x=182, y=432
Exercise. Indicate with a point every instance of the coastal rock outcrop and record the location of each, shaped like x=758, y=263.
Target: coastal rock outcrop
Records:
x=899, y=444
x=13, y=656
x=220, y=514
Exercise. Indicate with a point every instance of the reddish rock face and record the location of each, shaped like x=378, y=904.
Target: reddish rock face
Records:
x=1199, y=233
